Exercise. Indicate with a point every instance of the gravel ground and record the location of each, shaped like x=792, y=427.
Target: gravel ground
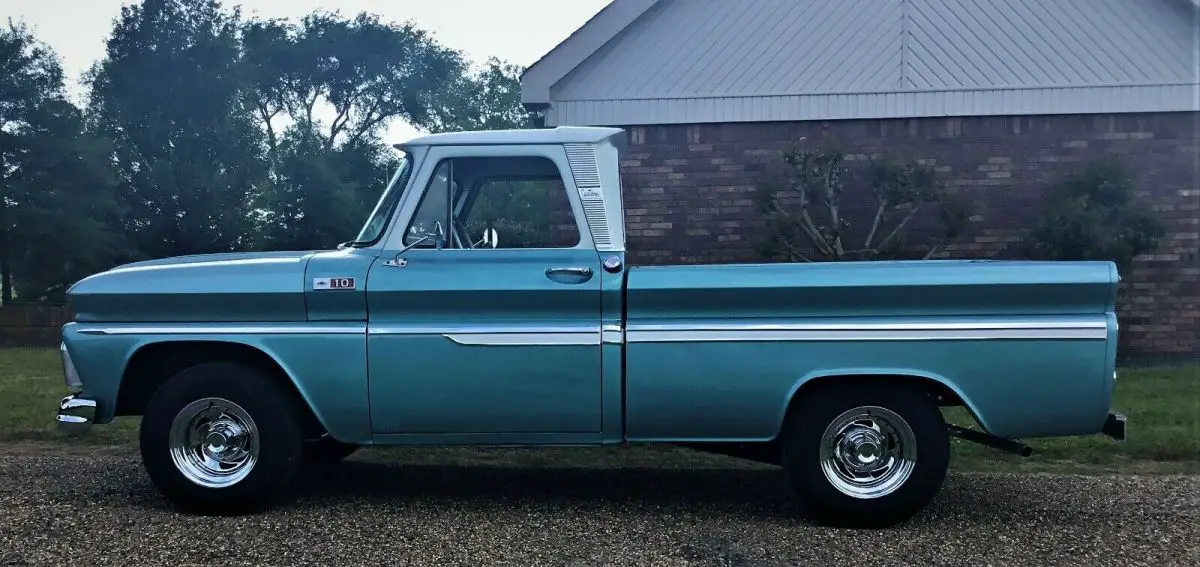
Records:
x=59, y=508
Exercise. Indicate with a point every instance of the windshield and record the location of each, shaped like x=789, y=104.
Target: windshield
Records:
x=379, y=218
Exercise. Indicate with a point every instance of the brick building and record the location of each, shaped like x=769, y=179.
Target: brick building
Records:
x=1003, y=96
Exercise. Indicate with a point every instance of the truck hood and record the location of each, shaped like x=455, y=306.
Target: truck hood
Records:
x=211, y=259
x=247, y=286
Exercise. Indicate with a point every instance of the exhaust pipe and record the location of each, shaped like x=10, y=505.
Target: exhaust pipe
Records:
x=990, y=440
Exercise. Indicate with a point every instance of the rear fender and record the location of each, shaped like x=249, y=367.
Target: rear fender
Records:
x=830, y=376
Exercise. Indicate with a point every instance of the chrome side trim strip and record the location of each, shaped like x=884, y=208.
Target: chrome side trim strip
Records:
x=480, y=329
x=665, y=332
x=879, y=326
x=732, y=335
x=525, y=339
x=231, y=330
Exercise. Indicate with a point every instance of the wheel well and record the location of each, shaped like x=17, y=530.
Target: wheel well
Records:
x=768, y=451
x=939, y=392
x=152, y=365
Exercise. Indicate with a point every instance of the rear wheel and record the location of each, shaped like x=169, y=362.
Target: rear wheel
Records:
x=866, y=455
x=221, y=438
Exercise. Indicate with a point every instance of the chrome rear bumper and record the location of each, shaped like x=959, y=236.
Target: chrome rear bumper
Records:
x=75, y=415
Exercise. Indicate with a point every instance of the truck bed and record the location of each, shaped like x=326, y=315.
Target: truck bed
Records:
x=715, y=352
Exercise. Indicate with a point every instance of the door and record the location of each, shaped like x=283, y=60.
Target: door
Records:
x=493, y=328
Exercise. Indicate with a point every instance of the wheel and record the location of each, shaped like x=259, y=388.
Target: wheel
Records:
x=327, y=450
x=221, y=438
x=865, y=455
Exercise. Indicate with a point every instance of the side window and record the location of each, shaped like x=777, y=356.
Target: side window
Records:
x=498, y=202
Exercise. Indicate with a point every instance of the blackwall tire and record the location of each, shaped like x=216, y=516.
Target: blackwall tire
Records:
x=865, y=455
x=221, y=438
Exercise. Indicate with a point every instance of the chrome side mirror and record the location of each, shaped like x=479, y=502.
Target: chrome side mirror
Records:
x=490, y=237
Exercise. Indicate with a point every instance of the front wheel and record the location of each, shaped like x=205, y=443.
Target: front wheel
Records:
x=866, y=455
x=221, y=438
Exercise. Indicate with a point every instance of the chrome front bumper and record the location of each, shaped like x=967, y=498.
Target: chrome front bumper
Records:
x=75, y=415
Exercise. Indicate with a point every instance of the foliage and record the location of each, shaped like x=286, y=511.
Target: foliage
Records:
x=206, y=132
x=366, y=70
x=1088, y=216
x=807, y=218
x=324, y=176
x=520, y=211
x=489, y=99
x=53, y=177
x=168, y=93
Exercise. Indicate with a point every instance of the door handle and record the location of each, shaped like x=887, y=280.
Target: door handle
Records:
x=584, y=273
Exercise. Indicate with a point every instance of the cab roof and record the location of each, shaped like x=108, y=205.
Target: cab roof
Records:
x=557, y=135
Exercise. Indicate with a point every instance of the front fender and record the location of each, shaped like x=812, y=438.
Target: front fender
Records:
x=325, y=362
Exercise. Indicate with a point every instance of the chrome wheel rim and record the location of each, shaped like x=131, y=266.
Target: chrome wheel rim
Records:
x=868, y=452
x=214, y=442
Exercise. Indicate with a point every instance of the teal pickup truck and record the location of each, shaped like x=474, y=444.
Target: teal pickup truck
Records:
x=487, y=301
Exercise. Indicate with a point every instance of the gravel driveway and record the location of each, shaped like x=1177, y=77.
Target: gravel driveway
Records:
x=60, y=508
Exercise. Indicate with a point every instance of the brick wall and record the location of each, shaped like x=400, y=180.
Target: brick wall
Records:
x=689, y=188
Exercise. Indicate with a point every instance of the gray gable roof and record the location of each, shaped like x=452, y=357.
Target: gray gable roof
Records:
x=677, y=61
x=581, y=44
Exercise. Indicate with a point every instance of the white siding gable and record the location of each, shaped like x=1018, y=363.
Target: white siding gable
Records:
x=759, y=60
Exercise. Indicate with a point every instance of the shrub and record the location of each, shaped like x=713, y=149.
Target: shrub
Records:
x=807, y=218
x=1088, y=216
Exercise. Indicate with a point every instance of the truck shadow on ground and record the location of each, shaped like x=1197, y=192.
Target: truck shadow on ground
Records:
x=749, y=493
x=669, y=488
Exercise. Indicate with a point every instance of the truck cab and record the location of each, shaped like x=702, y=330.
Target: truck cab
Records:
x=491, y=256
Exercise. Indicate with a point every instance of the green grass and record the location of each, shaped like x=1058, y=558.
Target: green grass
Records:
x=1163, y=405
x=31, y=383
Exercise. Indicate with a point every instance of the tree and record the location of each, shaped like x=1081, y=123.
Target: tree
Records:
x=364, y=73
x=318, y=196
x=56, y=197
x=1089, y=216
x=489, y=99
x=169, y=94
x=807, y=218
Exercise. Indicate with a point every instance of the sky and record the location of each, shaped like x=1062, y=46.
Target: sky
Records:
x=518, y=31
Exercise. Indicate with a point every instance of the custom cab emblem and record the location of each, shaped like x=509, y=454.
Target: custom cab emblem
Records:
x=324, y=284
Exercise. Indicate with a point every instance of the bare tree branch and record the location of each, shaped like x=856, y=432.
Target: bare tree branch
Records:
x=933, y=250
x=371, y=118
x=912, y=213
x=814, y=234
x=883, y=204
x=835, y=220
